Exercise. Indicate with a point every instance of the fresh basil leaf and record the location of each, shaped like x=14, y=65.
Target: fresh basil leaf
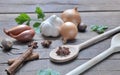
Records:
x=41, y=72
x=99, y=28
x=23, y=17
x=36, y=24
x=28, y=23
x=40, y=13
x=36, y=27
x=48, y=72
x=94, y=27
x=104, y=27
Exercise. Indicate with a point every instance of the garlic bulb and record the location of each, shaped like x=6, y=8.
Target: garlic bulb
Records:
x=50, y=27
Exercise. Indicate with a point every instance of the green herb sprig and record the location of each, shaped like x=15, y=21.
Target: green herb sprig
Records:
x=99, y=28
x=24, y=18
x=48, y=72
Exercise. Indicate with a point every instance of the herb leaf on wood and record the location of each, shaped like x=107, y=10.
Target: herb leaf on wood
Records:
x=48, y=72
x=40, y=13
x=99, y=28
x=24, y=18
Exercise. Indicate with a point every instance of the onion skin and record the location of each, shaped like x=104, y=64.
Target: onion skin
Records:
x=68, y=31
x=71, y=15
x=23, y=33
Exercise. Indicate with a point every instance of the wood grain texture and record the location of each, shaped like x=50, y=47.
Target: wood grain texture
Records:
x=102, y=18
x=14, y=6
x=31, y=68
x=101, y=12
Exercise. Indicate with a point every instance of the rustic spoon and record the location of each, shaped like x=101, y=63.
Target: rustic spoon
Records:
x=115, y=47
x=74, y=49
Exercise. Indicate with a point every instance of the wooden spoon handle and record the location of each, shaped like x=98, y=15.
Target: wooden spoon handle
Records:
x=99, y=38
x=91, y=62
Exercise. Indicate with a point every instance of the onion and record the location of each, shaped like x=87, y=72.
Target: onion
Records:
x=17, y=29
x=71, y=15
x=68, y=31
x=21, y=33
x=24, y=36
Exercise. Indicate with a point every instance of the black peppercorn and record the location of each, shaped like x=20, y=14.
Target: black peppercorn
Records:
x=82, y=27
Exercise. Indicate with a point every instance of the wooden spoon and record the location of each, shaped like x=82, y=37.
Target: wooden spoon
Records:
x=115, y=47
x=74, y=49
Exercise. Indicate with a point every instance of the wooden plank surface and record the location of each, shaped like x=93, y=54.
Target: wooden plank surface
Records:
x=102, y=12
x=32, y=67
x=14, y=6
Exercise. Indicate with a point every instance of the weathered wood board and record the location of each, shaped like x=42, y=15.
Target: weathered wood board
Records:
x=14, y=6
x=105, y=12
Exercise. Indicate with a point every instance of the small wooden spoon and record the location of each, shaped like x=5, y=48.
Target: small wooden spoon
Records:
x=74, y=49
x=115, y=47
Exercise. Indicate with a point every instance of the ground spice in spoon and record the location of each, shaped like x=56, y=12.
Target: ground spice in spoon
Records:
x=63, y=51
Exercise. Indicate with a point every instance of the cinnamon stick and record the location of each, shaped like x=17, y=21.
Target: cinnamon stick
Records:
x=33, y=56
x=12, y=68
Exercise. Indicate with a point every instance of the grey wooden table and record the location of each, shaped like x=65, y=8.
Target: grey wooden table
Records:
x=101, y=12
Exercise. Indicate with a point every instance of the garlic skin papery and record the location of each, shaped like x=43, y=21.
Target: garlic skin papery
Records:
x=50, y=27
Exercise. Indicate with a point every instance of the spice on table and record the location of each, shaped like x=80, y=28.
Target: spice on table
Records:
x=62, y=51
x=46, y=43
x=20, y=60
x=82, y=27
x=34, y=45
x=33, y=56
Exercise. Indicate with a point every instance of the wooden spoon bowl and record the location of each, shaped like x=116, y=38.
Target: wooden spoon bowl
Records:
x=74, y=50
